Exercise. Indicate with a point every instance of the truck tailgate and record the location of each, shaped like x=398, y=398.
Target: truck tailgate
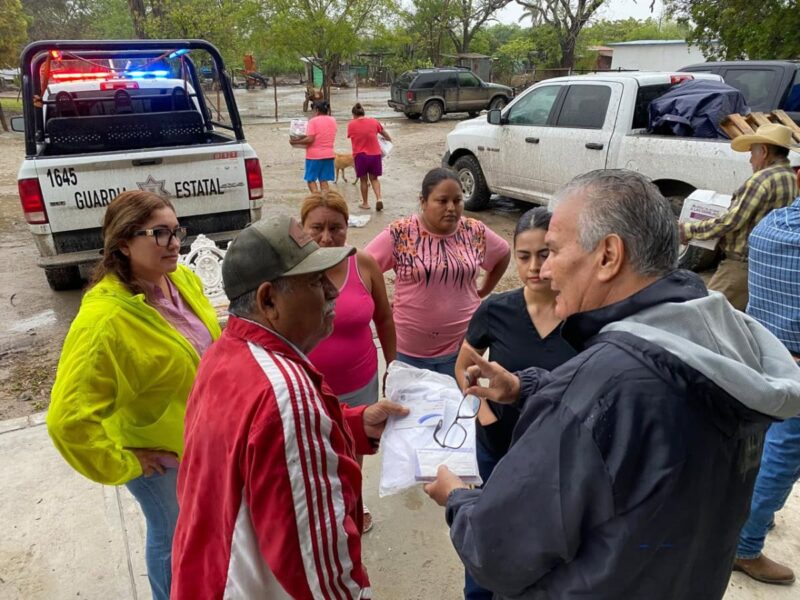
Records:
x=198, y=179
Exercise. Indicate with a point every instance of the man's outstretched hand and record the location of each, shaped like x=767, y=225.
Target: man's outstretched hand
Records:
x=446, y=481
x=376, y=414
x=503, y=386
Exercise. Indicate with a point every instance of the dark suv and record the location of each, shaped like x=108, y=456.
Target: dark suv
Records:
x=430, y=93
x=766, y=84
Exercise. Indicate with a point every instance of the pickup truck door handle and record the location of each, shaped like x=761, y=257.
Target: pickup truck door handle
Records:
x=532, y=140
x=594, y=146
x=143, y=162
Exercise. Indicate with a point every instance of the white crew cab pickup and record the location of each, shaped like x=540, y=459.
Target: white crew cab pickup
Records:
x=102, y=117
x=563, y=127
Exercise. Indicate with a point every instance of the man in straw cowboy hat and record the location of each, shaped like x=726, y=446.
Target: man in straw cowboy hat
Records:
x=771, y=186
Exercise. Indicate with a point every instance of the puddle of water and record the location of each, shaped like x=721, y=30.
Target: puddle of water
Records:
x=46, y=317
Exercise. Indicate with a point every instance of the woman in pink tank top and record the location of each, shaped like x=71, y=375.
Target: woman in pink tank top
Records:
x=348, y=358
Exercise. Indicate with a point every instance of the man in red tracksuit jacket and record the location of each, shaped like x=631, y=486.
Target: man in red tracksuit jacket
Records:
x=269, y=487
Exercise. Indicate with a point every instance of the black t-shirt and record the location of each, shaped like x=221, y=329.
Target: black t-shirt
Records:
x=502, y=324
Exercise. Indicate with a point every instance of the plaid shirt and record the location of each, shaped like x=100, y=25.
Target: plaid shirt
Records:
x=768, y=189
x=774, y=275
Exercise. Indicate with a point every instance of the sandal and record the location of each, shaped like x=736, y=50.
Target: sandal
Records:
x=364, y=206
x=379, y=206
x=367, y=520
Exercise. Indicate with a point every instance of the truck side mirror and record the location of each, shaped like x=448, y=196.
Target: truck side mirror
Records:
x=494, y=118
x=18, y=124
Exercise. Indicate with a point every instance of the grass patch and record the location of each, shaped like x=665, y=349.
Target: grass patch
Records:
x=11, y=105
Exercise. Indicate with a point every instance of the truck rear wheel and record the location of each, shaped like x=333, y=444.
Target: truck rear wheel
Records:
x=473, y=183
x=498, y=103
x=433, y=111
x=63, y=278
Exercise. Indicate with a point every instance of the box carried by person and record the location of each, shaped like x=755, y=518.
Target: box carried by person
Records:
x=701, y=205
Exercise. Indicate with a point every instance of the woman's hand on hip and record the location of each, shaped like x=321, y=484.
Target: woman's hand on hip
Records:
x=155, y=461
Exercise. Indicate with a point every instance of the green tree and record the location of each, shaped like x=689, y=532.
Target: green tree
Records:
x=59, y=19
x=566, y=18
x=327, y=30
x=735, y=29
x=429, y=24
x=469, y=16
x=13, y=32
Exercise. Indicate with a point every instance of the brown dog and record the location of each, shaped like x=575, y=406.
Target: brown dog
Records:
x=340, y=163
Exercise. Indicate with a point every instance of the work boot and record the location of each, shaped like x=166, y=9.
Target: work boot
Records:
x=764, y=570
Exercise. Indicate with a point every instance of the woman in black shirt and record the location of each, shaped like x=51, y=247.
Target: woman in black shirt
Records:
x=520, y=330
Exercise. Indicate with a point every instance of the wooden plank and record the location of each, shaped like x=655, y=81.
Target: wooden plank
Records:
x=730, y=128
x=739, y=122
x=784, y=119
x=756, y=119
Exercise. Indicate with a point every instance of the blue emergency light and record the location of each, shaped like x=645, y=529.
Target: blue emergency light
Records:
x=155, y=74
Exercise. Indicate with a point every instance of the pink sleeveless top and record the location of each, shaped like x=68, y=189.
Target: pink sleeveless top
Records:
x=348, y=358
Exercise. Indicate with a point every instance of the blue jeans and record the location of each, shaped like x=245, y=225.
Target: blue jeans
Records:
x=780, y=468
x=445, y=364
x=157, y=497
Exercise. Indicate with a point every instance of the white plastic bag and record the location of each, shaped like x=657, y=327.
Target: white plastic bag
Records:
x=386, y=146
x=409, y=453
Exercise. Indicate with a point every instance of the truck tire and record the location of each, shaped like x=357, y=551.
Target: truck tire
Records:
x=433, y=111
x=412, y=116
x=63, y=278
x=498, y=103
x=473, y=183
x=692, y=258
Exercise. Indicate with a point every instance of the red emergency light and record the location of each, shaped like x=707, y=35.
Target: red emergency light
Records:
x=78, y=76
x=673, y=79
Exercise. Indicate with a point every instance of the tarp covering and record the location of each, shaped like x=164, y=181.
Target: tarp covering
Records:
x=695, y=108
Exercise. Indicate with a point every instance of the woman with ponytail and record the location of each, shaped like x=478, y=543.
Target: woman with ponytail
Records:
x=128, y=364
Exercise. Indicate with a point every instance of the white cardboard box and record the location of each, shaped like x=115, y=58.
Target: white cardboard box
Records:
x=701, y=205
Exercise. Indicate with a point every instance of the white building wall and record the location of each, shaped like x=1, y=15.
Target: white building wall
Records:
x=655, y=57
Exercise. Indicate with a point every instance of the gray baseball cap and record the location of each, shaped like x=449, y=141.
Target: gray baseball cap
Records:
x=273, y=248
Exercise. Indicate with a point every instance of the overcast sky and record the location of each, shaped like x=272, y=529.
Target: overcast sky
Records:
x=612, y=10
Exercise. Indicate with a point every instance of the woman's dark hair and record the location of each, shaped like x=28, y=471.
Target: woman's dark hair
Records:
x=434, y=177
x=358, y=110
x=535, y=218
x=322, y=107
x=125, y=214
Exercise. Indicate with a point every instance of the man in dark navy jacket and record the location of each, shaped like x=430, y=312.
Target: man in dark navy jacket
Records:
x=631, y=468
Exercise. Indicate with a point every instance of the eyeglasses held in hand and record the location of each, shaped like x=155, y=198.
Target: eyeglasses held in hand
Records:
x=162, y=235
x=455, y=435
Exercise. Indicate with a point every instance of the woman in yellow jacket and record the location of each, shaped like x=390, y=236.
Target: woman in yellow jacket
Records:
x=128, y=364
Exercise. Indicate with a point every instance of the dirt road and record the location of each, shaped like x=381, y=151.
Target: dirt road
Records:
x=35, y=319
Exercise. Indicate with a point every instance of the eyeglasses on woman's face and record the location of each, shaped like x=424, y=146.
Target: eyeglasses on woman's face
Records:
x=163, y=235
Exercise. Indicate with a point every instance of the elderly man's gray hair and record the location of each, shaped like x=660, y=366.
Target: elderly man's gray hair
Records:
x=625, y=203
x=245, y=305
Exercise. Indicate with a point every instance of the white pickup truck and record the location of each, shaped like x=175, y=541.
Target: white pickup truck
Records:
x=563, y=127
x=102, y=117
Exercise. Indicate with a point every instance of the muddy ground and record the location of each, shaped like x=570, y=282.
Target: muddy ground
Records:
x=35, y=319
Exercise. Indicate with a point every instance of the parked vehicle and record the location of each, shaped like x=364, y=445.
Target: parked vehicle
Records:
x=432, y=93
x=102, y=117
x=766, y=84
x=566, y=126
